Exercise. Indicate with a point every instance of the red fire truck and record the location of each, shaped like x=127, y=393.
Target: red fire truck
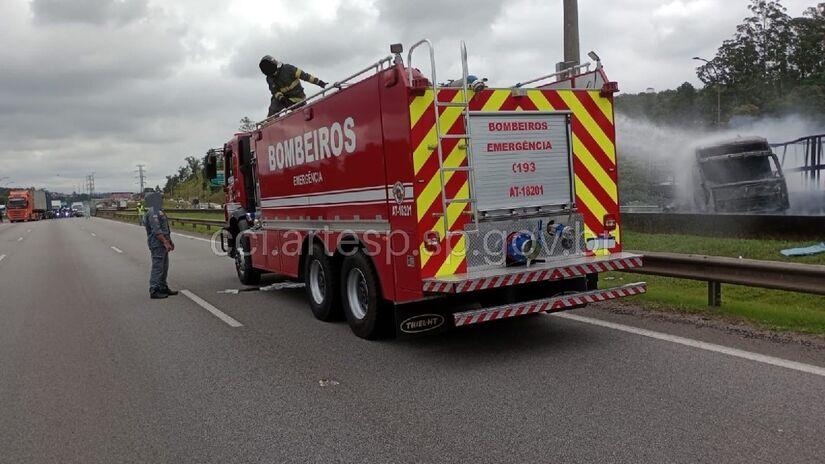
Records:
x=407, y=206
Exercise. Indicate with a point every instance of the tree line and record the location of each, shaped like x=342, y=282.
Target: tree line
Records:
x=774, y=64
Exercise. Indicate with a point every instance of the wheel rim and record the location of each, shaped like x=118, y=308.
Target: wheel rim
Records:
x=317, y=282
x=357, y=293
x=240, y=262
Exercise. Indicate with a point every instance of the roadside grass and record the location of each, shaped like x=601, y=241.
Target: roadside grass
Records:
x=772, y=309
x=730, y=247
x=216, y=214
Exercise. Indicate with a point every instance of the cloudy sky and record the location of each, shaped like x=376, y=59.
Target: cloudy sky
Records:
x=103, y=85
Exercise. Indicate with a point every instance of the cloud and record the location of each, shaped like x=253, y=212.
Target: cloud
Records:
x=101, y=85
x=88, y=11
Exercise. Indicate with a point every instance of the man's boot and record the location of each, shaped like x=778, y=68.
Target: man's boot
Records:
x=170, y=292
x=157, y=294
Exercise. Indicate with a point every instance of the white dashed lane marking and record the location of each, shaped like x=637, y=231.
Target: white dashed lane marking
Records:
x=215, y=311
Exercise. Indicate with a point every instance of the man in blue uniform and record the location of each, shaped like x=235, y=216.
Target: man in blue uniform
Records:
x=284, y=81
x=160, y=243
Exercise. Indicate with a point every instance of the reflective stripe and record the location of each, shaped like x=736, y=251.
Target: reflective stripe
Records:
x=376, y=194
x=291, y=86
x=341, y=225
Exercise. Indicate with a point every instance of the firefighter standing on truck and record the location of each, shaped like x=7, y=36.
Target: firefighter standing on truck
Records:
x=284, y=82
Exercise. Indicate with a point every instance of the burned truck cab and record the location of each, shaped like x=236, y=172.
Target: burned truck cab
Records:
x=742, y=175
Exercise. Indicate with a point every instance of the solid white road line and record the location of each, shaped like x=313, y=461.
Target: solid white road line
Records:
x=20, y=239
x=94, y=234
x=215, y=311
x=761, y=358
x=117, y=249
x=2, y=257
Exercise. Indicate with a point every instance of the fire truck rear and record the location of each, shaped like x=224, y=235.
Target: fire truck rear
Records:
x=409, y=207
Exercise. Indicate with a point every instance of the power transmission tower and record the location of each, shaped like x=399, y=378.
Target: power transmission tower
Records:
x=141, y=171
x=90, y=186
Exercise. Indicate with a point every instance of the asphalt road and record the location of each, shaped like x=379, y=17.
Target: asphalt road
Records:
x=92, y=371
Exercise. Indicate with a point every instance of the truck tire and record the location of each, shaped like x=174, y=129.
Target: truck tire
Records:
x=247, y=274
x=322, y=285
x=367, y=313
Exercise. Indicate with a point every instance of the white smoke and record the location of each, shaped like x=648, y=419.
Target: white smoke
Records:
x=665, y=153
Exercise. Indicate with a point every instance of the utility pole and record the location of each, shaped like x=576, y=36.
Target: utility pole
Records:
x=571, y=33
x=718, y=85
x=141, y=176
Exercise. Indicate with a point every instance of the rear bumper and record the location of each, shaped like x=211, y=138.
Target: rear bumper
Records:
x=557, y=270
x=556, y=303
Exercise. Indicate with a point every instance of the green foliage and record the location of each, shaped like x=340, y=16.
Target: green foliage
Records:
x=771, y=309
x=189, y=183
x=718, y=246
x=773, y=65
x=685, y=106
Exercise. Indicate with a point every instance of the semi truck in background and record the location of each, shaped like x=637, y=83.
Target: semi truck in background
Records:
x=41, y=203
x=27, y=205
x=408, y=207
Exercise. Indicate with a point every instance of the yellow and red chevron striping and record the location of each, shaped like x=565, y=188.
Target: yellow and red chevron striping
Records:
x=594, y=156
x=429, y=208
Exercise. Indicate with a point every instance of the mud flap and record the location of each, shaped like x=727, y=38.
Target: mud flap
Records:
x=427, y=317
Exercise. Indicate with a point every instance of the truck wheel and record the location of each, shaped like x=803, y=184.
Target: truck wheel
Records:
x=322, y=285
x=367, y=313
x=247, y=274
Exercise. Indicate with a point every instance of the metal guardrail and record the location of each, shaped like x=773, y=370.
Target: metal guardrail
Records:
x=208, y=223
x=168, y=210
x=716, y=270
x=132, y=217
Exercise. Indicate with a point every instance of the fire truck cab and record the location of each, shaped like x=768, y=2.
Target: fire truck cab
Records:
x=408, y=207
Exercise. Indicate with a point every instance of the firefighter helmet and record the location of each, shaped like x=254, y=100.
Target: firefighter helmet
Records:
x=268, y=65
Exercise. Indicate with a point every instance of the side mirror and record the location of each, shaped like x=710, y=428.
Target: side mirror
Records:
x=211, y=167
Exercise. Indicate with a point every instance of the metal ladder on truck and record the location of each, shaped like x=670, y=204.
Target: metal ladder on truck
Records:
x=440, y=137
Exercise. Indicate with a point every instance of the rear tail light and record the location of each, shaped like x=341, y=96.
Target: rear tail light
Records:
x=609, y=88
x=432, y=241
x=419, y=86
x=609, y=222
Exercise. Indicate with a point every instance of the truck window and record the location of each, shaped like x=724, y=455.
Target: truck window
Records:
x=738, y=170
x=227, y=164
x=17, y=203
